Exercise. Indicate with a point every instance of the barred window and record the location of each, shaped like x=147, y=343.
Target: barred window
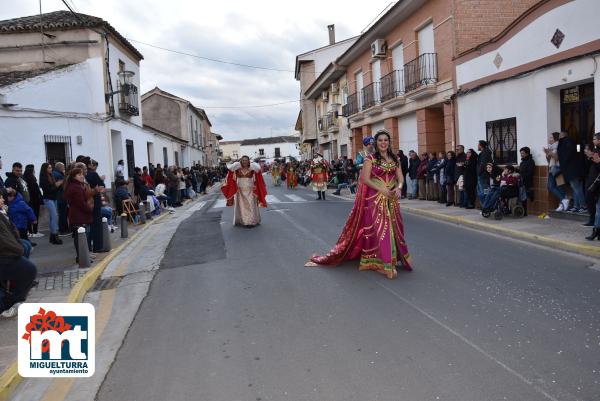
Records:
x=502, y=140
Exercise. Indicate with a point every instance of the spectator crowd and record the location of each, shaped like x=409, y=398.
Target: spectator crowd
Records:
x=75, y=196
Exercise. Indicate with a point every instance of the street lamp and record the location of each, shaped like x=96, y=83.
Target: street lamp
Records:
x=125, y=78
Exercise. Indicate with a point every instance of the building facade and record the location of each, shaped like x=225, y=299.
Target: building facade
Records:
x=179, y=118
x=270, y=148
x=72, y=90
x=399, y=74
x=309, y=66
x=539, y=76
x=230, y=150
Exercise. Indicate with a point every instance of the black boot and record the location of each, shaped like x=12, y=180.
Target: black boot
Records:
x=324, y=195
x=595, y=234
x=56, y=240
x=319, y=192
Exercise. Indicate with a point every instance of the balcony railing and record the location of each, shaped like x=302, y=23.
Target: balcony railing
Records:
x=332, y=121
x=370, y=95
x=421, y=71
x=392, y=85
x=128, y=101
x=351, y=107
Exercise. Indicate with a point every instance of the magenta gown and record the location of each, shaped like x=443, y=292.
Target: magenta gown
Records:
x=374, y=231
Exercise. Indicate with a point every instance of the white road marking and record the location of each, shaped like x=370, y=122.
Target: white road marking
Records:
x=295, y=198
x=220, y=203
x=272, y=199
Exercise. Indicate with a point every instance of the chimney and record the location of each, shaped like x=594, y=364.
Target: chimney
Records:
x=331, y=29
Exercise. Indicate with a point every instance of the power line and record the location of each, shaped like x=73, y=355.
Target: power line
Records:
x=210, y=59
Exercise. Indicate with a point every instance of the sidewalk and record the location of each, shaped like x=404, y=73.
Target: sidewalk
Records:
x=563, y=234
x=58, y=279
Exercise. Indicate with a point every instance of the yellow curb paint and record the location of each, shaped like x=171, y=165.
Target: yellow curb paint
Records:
x=59, y=389
x=10, y=378
x=535, y=238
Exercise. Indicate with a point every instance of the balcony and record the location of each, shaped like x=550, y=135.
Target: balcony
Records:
x=332, y=122
x=420, y=76
x=370, y=95
x=128, y=99
x=351, y=107
x=392, y=89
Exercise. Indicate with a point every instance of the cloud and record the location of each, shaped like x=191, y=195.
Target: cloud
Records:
x=263, y=32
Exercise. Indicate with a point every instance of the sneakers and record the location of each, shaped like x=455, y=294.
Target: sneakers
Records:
x=36, y=235
x=11, y=312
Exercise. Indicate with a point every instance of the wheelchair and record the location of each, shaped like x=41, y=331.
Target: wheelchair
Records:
x=508, y=204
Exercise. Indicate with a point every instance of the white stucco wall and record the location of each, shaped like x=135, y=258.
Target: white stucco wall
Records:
x=534, y=100
x=78, y=88
x=576, y=19
x=287, y=149
x=407, y=131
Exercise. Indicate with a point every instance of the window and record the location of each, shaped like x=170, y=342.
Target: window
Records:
x=165, y=157
x=502, y=139
x=177, y=158
x=261, y=152
x=192, y=136
x=130, y=157
x=277, y=152
x=58, y=149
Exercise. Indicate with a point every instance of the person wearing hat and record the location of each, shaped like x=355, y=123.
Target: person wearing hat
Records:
x=367, y=150
x=318, y=175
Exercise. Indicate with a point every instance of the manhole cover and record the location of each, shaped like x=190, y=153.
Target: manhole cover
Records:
x=107, y=283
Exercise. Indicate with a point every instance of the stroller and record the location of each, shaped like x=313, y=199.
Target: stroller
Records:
x=509, y=203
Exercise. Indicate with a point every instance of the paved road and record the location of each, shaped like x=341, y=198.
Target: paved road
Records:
x=234, y=315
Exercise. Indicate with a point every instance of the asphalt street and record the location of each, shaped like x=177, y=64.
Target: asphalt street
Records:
x=233, y=314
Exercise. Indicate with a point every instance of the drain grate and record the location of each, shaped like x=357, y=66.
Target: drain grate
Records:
x=107, y=283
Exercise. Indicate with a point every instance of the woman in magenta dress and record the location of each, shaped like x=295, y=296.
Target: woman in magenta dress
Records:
x=374, y=231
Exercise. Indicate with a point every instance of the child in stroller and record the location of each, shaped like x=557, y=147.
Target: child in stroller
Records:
x=503, y=198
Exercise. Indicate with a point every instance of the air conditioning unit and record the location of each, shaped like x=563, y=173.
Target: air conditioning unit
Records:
x=334, y=88
x=325, y=96
x=378, y=48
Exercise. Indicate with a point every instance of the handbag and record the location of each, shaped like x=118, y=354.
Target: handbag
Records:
x=560, y=179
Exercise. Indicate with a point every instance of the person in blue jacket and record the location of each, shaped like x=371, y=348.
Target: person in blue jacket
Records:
x=20, y=213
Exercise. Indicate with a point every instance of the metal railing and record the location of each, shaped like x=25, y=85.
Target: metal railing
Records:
x=421, y=71
x=322, y=124
x=370, y=95
x=392, y=85
x=128, y=101
x=331, y=119
x=351, y=107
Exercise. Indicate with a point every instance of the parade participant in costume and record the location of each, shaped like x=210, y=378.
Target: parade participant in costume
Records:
x=245, y=189
x=368, y=150
x=292, y=176
x=374, y=231
x=318, y=171
x=276, y=173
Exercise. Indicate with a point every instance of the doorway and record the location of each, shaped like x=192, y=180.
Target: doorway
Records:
x=577, y=113
x=130, y=157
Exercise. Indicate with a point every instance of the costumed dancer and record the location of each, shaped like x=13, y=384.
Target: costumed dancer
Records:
x=276, y=174
x=292, y=176
x=367, y=150
x=374, y=231
x=319, y=176
x=245, y=189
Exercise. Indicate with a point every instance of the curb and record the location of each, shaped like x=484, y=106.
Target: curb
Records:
x=10, y=378
x=586, y=250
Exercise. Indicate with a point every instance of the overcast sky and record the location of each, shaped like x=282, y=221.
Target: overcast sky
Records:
x=259, y=32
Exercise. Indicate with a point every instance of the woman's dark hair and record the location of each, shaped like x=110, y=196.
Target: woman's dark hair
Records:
x=452, y=154
x=510, y=168
x=390, y=153
x=44, y=172
x=28, y=171
x=525, y=149
x=555, y=135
